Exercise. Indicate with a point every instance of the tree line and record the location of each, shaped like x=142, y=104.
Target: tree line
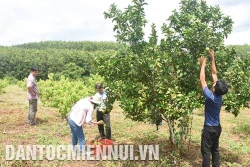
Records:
x=74, y=45
x=71, y=59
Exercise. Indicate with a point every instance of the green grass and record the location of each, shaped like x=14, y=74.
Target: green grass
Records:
x=52, y=130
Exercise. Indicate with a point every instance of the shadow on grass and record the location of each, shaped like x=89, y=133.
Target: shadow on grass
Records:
x=193, y=155
x=190, y=154
x=41, y=121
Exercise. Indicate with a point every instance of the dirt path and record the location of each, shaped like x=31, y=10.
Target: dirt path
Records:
x=13, y=103
x=14, y=110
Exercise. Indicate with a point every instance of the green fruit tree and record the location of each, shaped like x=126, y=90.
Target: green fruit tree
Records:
x=156, y=78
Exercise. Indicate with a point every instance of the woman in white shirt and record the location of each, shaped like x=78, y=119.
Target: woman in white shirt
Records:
x=81, y=113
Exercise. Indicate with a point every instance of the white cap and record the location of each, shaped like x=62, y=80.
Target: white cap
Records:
x=95, y=99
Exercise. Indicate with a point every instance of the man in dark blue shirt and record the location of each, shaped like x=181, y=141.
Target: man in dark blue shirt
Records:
x=213, y=101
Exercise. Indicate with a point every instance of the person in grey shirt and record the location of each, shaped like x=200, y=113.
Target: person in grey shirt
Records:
x=102, y=113
x=32, y=94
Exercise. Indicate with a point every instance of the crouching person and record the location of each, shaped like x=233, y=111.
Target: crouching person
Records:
x=80, y=114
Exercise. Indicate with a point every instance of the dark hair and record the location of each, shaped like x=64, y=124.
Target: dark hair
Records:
x=33, y=68
x=220, y=88
x=99, y=86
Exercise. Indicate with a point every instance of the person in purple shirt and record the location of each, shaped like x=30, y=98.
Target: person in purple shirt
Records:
x=213, y=101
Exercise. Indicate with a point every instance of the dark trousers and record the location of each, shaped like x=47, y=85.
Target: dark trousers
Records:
x=106, y=119
x=210, y=145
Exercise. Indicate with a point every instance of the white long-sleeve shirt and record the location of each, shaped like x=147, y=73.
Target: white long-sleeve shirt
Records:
x=82, y=112
x=103, y=97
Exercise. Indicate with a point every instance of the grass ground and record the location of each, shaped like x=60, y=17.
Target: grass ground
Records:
x=53, y=130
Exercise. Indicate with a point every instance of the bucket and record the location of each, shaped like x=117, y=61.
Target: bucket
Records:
x=101, y=143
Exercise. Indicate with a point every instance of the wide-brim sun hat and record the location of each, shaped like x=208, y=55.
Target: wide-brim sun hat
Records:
x=95, y=99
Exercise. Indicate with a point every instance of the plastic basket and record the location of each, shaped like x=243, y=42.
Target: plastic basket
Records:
x=101, y=143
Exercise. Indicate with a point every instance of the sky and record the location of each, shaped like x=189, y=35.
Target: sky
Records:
x=24, y=21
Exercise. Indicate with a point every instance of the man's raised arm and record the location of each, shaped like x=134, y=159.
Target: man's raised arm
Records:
x=213, y=66
x=202, y=73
